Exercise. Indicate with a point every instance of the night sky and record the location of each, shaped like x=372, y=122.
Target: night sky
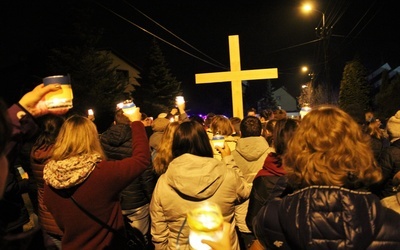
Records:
x=271, y=34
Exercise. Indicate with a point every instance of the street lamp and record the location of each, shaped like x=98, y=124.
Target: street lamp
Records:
x=307, y=8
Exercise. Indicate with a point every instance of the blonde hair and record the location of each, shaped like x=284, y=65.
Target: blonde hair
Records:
x=329, y=148
x=78, y=135
x=221, y=125
x=164, y=153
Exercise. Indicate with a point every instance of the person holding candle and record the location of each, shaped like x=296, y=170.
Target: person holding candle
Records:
x=194, y=176
x=135, y=198
x=78, y=169
x=18, y=124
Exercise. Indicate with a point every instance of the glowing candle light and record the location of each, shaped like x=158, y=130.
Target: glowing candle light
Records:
x=61, y=98
x=205, y=222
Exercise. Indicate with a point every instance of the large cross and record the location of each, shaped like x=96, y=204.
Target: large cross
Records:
x=236, y=76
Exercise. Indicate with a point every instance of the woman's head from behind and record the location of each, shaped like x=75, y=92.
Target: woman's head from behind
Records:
x=283, y=130
x=221, y=125
x=268, y=129
x=50, y=125
x=190, y=137
x=329, y=148
x=78, y=135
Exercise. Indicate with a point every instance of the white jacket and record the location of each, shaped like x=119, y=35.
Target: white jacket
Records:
x=188, y=180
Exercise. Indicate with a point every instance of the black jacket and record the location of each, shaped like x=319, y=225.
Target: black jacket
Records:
x=390, y=164
x=260, y=194
x=322, y=217
x=117, y=144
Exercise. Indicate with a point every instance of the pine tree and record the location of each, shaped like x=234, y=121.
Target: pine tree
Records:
x=268, y=100
x=95, y=83
x=158, y=87
x=355, y=90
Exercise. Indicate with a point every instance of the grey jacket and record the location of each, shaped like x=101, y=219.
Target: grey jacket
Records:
x=188, y=180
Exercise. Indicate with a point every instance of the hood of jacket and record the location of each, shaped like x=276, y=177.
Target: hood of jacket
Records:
x=252, y=148
x=69, y=172
x=116, y=135
x=194, y=176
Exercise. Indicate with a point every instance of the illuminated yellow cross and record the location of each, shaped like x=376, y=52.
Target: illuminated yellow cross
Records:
x=236, y=76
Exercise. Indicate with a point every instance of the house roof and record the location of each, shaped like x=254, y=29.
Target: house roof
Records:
x=128, y=61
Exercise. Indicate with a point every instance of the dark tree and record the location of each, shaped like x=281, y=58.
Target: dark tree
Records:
x=268, y=100
x=95, y=83
x=355, y=90
x=158, y=87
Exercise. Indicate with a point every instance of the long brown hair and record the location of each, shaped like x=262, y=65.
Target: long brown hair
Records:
x=163, y=155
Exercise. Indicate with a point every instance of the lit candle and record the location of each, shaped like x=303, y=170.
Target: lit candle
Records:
x=61, y=98
x=205, y=222
x=179, y=100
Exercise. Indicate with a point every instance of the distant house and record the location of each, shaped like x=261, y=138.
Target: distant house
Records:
x=376, y=76
x=285, y=100
x=125, y=68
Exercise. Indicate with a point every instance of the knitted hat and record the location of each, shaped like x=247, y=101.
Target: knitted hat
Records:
x=159, y=124
x=393, y=125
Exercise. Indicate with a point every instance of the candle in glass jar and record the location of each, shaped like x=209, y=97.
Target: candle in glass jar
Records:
x=205, y=222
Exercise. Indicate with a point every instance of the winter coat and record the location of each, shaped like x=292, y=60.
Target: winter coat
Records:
x=392, y=202
x=327, y=217
x=378, y=145
x=117, y=144
x=188, y=180
x=263, y=186
x=249, y=155
x=39, y=158
x=98, y=193
x=390, y=164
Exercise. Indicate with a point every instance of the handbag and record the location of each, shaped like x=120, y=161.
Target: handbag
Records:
x=135, y=239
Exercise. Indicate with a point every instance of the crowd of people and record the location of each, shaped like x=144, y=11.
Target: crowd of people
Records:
x=322, y=182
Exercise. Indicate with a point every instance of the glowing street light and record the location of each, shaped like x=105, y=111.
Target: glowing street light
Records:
x=308, y=7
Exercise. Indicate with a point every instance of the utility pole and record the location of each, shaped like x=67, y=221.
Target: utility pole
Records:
x=323, y=33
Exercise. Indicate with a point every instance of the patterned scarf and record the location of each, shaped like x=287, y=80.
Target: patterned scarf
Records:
x=70, y=172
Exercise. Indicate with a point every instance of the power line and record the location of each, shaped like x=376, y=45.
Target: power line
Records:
x=159, y=38
x=170, y=32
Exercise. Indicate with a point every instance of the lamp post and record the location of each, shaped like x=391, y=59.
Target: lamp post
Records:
x=307, y=8
x=323, y=35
